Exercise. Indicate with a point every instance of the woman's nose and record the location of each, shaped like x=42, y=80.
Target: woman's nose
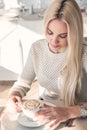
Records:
x=55, y=39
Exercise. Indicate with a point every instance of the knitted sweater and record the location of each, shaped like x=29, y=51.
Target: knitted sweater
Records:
x=46, y=66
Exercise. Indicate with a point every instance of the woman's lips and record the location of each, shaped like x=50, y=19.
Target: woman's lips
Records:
x=55, y=46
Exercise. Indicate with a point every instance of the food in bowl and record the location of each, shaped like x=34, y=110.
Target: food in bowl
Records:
x=30, y=107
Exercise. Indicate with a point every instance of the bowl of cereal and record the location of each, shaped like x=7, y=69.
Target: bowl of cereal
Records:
x=30, y=107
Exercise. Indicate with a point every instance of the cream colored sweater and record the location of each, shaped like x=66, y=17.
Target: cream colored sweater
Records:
x=46, y=66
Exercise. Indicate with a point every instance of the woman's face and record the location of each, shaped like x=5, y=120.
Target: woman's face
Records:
x=56, y=36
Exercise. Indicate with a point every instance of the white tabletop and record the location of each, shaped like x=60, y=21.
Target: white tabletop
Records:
x=9, y=121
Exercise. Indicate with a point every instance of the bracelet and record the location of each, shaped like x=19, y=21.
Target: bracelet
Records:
x=83, y=111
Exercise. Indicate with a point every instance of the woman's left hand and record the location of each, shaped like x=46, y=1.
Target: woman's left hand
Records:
x=49, y=113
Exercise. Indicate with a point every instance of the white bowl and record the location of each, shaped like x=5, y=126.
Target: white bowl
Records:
x=30, y=107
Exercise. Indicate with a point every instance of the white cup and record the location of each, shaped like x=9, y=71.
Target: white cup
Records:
x=30, y=107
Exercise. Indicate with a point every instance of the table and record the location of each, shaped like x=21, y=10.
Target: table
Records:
x=9, y=122
x=6, y=74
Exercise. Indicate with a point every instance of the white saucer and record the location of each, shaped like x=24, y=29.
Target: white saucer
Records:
x=25, y=121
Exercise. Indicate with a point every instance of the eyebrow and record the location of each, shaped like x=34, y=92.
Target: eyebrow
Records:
x=58, y=34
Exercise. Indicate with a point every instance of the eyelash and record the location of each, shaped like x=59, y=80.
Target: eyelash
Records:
x=61, y=36
x=50, y=33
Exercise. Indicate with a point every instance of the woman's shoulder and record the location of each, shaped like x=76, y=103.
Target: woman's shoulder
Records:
x=39, y=43
x=38, y=46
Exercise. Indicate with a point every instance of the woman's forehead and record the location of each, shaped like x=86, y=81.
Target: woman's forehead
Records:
x=57, y=25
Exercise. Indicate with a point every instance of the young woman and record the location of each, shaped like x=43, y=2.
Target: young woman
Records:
x=60, y=64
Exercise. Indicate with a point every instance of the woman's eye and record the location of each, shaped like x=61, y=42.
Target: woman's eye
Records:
x=63, y=35
x=50, y=33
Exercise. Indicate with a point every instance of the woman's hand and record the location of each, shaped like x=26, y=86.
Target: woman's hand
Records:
x=58, y=114
x=13, y=104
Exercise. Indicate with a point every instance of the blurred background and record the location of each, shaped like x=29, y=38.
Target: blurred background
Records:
x=21, y=24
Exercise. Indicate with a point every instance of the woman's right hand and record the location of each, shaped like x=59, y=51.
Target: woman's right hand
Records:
x=14, y=104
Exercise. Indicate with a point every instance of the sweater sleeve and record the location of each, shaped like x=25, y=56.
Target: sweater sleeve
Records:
x=22, y=85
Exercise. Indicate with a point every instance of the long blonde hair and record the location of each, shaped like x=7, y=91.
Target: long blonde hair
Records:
x=69, y=11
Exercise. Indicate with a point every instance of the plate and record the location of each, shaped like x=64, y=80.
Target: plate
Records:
x=25, y=121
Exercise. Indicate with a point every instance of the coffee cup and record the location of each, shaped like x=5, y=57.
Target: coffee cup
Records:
x=30, y=107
